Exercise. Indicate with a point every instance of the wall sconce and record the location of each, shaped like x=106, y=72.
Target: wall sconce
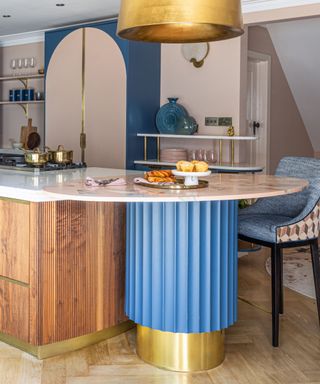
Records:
x=196, y=53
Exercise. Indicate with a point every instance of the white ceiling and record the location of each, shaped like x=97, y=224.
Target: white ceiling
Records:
x=38, y=15
x=297, y=45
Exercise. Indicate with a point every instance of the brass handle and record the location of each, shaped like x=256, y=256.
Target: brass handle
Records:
x=83, y=140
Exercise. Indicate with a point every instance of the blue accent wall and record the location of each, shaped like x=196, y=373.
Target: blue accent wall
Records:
x=143, y=65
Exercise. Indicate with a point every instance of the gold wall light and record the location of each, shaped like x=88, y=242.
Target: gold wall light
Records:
x=195, y=53
x=180, y=21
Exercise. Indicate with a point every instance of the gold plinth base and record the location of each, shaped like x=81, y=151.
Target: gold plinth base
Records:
x=180, y=351
x=45, y=351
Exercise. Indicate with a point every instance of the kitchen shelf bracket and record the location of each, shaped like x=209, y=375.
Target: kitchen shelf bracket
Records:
x=25, y=108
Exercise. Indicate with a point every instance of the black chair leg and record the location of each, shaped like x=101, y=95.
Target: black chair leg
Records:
x=316, y=271
x=281, y=311
x=275, y=276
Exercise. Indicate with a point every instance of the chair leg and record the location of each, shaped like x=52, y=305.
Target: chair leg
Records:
x=281, y=311
x=316, y=271
x=275, y=276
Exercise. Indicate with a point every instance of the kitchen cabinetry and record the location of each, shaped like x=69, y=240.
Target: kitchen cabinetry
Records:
x=115, y=91
x=61, y=272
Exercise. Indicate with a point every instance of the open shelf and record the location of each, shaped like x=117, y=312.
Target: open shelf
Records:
x=22, y=102
x=13, y=78
x=227, y=167
x=198, y=137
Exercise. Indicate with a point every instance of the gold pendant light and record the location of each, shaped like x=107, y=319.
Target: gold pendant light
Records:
x=180, y=21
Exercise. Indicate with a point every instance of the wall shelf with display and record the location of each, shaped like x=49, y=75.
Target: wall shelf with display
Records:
x=219, y=166
x=13, y=78
x=25, y=81
x=22, y=102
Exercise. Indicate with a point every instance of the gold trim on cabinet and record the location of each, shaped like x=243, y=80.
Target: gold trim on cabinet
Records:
x=184, y=352
x=83, y=97
x=12, y=200
x=50, y=350
x=13, y=281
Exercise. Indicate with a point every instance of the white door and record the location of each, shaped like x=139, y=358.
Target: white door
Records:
x=258, y=106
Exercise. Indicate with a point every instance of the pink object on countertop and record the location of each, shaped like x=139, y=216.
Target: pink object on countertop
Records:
x=90, y=182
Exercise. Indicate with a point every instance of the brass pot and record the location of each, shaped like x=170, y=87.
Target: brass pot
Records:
x=36, y=157
x=61, y=155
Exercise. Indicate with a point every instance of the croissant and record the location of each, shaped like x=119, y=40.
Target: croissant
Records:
x=160, y=173
x=153, y=179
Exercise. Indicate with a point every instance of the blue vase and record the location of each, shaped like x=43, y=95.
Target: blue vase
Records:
x=187, y=126
x=169, y=116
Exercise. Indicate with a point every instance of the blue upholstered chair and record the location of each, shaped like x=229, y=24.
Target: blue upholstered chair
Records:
x=284, y=222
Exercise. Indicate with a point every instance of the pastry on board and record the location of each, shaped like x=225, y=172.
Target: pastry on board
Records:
x=161, y=176
x=185, y=166
x=201, y=166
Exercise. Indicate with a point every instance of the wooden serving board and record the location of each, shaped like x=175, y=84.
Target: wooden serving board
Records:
x=25, y=132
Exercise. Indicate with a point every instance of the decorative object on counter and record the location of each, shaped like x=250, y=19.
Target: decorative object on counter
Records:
x=17, y=95
x=33, y=140
x=20, y=66
x=178, y=185
x=161, y=176
x=191, y=171
x=90, y=182
x=187, y=125
x=180, y=21
x=38, y=95
x=172, y=118
x=11, y=95
x=195, y=53
x=16, y=145
x=36, y=157
x=25, y=132
x=61, y=155
x=28, y=94
x=172, y=155
x=169, y=115
x=230, y=131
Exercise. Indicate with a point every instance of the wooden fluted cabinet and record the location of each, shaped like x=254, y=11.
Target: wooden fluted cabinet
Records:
x=62, y=272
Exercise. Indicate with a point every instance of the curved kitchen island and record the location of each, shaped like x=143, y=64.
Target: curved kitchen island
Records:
x=181, y=263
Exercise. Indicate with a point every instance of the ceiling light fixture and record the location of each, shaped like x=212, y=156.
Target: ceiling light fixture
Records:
x=180, y=21
x=6, y=16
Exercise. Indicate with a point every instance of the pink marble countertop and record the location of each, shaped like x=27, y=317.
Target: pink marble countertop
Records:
x=221, y=187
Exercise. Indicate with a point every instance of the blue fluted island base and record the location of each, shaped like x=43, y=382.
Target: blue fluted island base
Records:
x=181, y=281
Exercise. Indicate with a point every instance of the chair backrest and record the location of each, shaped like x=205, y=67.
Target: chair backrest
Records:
x=302, y=203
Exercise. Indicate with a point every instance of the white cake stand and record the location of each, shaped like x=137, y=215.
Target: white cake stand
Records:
x=191, y=178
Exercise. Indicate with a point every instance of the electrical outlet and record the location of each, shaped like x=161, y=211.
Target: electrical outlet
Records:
x=211, y=121
x=225, y=121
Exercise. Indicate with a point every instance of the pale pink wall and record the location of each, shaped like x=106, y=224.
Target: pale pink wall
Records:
x=288, y=135
x=213, y=90
x=286, y=13
x=12, y=116
x=105, y=98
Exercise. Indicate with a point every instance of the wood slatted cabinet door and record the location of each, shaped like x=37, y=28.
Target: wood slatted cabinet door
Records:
x=14, y=240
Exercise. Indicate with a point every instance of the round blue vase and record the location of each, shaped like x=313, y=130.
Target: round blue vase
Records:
x=187, y=125
x=169, y=116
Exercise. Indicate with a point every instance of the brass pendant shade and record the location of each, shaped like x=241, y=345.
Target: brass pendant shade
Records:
x=180, y=21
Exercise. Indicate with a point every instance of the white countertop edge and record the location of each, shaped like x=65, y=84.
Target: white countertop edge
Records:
x=26, y=195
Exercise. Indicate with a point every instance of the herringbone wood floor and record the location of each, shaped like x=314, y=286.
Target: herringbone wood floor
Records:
x=250, y=359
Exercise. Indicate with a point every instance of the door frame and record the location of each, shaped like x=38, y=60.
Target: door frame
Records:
x=264, y=83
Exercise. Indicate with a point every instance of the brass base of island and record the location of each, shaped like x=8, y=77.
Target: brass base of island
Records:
x=183, y=352
x=50, y=350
